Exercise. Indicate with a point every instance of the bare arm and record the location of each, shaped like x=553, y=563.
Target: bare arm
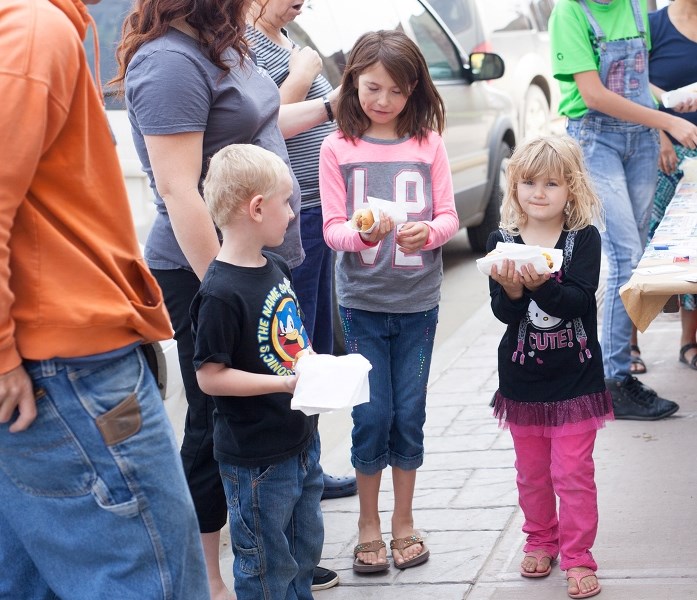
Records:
x=598, y=97
x=216, y=379
x=301, y=116
x=176, y=167
x=304, y=65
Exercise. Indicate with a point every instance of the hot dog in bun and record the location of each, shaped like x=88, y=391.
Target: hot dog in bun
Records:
x=362, y=219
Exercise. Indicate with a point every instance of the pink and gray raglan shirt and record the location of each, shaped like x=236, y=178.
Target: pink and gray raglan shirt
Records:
x=381, y=278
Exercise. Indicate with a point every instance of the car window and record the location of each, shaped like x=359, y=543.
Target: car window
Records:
x=457, y=15
x=441, y=55
x=335, y=25
x=505, y=16
x=541, y=10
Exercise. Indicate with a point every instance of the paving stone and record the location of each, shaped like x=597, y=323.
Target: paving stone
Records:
x=489, y=487
x=461, y=443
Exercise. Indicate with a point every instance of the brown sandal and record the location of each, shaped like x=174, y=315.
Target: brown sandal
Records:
x=361, y=567
x=400, y=544
x=638, y=366
x=692, y=363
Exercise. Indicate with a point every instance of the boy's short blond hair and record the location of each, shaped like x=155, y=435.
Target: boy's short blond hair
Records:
x=237, y=173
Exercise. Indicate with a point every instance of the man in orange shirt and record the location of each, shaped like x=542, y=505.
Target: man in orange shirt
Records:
x=93, y=500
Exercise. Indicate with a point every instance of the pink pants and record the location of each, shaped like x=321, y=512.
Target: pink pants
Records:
x=562, y=466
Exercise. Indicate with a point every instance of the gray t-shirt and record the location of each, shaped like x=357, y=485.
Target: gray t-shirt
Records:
x=303, y=148
x=173, y=87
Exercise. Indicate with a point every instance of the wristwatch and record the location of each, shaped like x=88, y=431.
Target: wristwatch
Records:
x=328, y=108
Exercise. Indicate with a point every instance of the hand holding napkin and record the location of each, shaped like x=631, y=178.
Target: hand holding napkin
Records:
x=327, y=383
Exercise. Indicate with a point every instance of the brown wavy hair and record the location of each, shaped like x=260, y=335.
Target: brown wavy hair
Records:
x=404, y=62
x=220, y=24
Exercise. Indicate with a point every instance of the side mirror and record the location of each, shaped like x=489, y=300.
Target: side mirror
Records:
x=484, y=66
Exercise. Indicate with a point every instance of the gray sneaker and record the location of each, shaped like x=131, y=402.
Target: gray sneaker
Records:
x=633, y=400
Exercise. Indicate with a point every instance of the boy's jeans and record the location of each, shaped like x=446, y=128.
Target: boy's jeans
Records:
x=276, y=525
x=621, y=159
x=93, y=504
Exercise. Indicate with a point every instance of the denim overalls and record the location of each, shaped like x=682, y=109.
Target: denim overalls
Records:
x=622, y=158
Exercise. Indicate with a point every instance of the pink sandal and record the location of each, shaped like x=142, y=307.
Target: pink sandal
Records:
x=538, y=555
x=577, y=576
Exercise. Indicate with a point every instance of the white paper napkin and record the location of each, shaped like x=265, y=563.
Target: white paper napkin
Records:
x=396, y=210
x=327, y=383
x=674, y=97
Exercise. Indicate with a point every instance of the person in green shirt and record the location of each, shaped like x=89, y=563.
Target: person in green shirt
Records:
x=600, y=58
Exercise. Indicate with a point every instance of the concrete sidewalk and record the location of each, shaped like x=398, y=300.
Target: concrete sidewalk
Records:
x=466, y=500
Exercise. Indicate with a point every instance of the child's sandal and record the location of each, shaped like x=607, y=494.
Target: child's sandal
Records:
x=577, y=576
x=538, y=555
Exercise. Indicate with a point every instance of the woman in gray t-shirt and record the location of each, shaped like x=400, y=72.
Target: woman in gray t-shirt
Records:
x=191, y=88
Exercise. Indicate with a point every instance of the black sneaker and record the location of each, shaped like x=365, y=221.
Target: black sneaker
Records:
x=632, y=400
x=323, y=579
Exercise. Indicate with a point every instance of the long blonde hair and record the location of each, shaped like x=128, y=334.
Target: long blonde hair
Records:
x=552, y=156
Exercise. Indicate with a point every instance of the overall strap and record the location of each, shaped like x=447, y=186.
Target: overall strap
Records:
x=568, y=249
x=597, y=31
x=636, y=9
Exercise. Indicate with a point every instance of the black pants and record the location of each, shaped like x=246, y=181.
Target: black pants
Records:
x=179, y=287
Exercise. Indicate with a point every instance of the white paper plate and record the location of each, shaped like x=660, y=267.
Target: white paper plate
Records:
x=522, y=255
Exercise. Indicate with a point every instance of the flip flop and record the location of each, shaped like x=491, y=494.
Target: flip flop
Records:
x=538, y=555
x=683, y=359
x=400, y=544
x=361, y=567
x=577, y=576
x=638, y=366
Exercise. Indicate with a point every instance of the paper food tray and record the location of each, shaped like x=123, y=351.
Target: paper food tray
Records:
x=522, y=255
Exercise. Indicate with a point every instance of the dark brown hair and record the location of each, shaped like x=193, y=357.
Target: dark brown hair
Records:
x=220, y=24
x=403, y=61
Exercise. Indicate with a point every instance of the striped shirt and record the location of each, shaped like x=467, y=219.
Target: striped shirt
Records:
x=303, y=149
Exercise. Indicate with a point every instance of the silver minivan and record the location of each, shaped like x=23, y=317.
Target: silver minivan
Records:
x=480, y=128
x=517, y=31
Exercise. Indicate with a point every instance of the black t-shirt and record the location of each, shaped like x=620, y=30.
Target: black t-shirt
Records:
x=550, y=351
x=248, y=319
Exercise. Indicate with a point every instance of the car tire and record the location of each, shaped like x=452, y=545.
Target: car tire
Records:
x=479, y=234
x=536, y=113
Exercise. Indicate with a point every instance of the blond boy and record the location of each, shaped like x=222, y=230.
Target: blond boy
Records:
x=247, y=331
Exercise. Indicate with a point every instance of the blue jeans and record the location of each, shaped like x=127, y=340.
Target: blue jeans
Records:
x=93, y=500
x=388, y=430
x=622, y=161
x=276, y=525
x=312, y=282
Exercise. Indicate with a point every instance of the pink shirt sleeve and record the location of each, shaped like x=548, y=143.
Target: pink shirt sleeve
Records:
x=445, y=222
x=333, y=193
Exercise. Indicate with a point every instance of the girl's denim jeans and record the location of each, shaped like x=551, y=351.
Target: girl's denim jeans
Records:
x=388, y=430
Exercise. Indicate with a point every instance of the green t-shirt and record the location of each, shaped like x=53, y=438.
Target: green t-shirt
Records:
x=570, y=36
